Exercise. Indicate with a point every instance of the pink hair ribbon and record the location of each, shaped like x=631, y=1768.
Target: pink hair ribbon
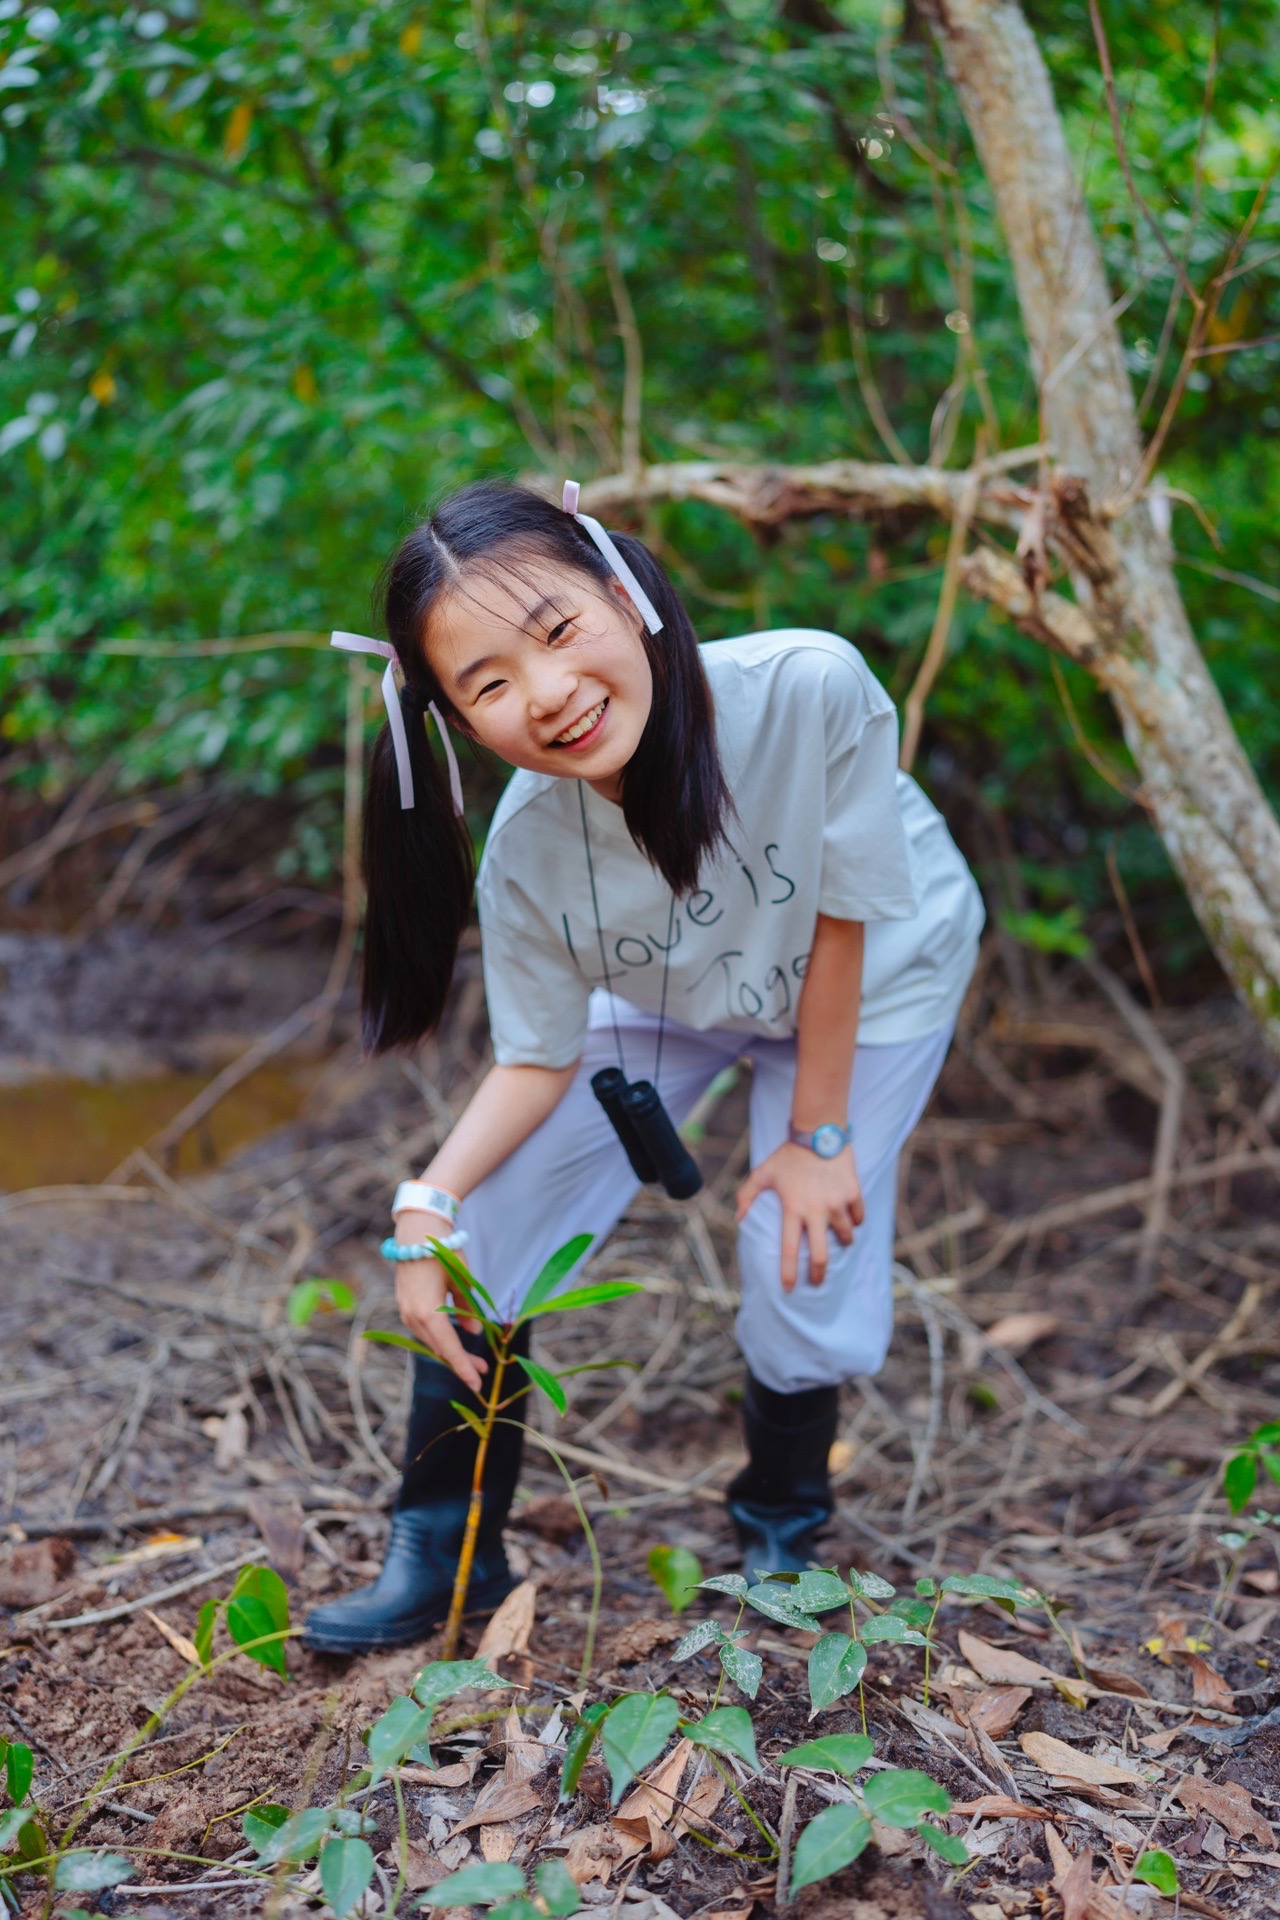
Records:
x=643, y=604
x=360, y=643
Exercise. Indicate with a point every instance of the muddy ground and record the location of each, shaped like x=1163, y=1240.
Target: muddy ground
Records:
x=1079, y=1346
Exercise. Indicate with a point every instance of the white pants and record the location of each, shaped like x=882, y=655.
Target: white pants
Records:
x=571, y=1176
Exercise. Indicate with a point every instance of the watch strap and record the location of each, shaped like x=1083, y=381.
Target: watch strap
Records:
x=802, y=1137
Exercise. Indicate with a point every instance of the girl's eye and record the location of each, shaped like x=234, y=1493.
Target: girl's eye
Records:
x=492, y=687
x=558, y=632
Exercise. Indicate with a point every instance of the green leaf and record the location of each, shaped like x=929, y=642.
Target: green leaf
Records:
x=887, y=1626
x=249, y=1622
x=440, y=1678
x=948, y=1846
x=1267, y=1435
x=730, y=1583
x=558, y=1889
x=986, y=1586
x=901, y=1797
x=11, y=1825
x=836, y=1665
x=478, y=1886
x=383, y=1337
x=469, y=1417
x=1061, y=932
x=830, y=1841
x=474, y=1295
x=543, y=1378
x=203, y=1637
x=677, y=1572
x=19, y=1766
x=927, y=1587
x=707, y=1633
x=726, y=1730
x=310, y=1297
x=265, y=1584
x=916, y=1613
x=299, y=1838
x=519, y=1909
x=870, y=1586
x=32, y=1841
x=1271, y=1461
x=395, y=1733
x=773, y=1603
x=842, y=1753
x=579, y=1745
x=88, y=1872
x=634, y=1732
x=558, y=1267
x=1239, y=1478
x=259, y=1824
x=586, y=1297
x=746, y=1670
x=819, y=1591
x=1160, y=1871
x=346, y=1868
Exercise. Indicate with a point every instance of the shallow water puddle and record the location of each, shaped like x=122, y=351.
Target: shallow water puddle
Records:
x=57, y=1132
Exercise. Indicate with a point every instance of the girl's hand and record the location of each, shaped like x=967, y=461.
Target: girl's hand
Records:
x=423, y=1288
x=817, y=1196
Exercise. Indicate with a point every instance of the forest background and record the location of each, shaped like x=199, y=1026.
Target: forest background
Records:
x=277, y=275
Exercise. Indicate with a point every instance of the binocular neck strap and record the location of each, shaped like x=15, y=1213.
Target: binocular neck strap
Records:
x=604, y=958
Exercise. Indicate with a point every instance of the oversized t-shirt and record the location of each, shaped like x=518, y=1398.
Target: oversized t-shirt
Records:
x=824, y=823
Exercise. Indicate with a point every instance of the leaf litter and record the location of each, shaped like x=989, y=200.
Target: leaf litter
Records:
x=1077, y=1455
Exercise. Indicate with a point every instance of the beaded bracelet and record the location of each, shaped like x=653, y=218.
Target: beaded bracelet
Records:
x=422, y=1249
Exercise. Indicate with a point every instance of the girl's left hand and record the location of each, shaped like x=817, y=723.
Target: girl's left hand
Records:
x=818, y=1196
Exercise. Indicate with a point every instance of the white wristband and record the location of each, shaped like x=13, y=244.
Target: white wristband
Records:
x=415, y=1196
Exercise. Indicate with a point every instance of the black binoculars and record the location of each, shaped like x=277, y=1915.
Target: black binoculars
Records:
x=643, y=1125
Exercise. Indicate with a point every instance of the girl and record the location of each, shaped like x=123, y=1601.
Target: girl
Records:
x=707, y=852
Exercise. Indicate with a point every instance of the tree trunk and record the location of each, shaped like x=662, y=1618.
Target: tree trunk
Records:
x=1211, y=812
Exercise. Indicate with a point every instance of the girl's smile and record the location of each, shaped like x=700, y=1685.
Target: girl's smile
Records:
x=546, y=667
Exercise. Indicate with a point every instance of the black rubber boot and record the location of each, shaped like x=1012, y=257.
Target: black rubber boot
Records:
x=783, y=1494
x=411, y=1595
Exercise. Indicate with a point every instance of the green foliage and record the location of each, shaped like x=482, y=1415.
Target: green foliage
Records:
x=310, y=1297
x=677, y=1572
x=843, y=1753
x=88, y=1872
x=836, y=1667
x=255, y=252
x=1240, y=1474
x=634, y=1732
x=833, y=1839
x=258, y=1615
x=19, y=1765
x=1158, y=1870
x=346, y=1869
x=259, y=1825
x=579, y=1745
x=725, y=1730
x=1061, y=932
x=501, y=1887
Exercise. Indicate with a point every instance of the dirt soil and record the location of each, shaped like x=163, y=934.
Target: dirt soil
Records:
x=1079, y=1345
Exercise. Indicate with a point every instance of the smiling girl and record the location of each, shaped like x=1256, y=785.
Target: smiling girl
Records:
x=706, y=853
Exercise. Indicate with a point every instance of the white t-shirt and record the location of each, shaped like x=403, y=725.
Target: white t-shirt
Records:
x=825, y=823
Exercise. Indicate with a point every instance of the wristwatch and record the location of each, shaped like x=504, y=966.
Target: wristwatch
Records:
x=826, y=1141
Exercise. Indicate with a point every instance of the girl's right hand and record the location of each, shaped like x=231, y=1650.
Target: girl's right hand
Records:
x=423, y=1289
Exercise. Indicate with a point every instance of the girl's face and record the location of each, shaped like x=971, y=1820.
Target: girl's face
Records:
x=546, y=667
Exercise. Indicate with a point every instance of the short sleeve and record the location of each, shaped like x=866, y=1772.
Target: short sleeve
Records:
x=537, y=998
x=866, y=861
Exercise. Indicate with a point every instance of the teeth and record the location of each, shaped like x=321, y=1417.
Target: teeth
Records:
x=575, y=732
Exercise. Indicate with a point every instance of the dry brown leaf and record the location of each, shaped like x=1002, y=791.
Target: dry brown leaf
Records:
x=1171, y=1637
x=998, y=1806
x=1263, y=1580
x=1227, y=1802
x=280, y=1524
x=1208, y=1688
x=422, y=1868
x=35, y=1570
x=510, y=1627
x=1056, y=1757
x=525, y=1755
x=498, y=1842
x=1059, y=1854
x=1000, y=1664
x=457, y=1775
x=1018, y=1331
x=230, y=1436
x=892, y=1840
x=648, y=1817
x=1112, y=1680
x=501, y=1800
x=639, y=1638
x=178, y=1641
x=592, y=1854
x=1075, y=1885
x=996, y=1709
x=158, y=1547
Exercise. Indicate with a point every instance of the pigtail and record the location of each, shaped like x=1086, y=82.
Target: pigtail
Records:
x=419, y=869
x=675, y=799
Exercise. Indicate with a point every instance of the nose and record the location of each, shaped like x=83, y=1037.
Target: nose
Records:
x=551, y=684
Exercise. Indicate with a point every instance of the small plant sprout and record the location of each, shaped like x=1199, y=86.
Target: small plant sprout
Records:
x=311, y=1297
x=898, y=1797
x=501, y=1886
x=499, y=1337
x=677, y=1572
x=1158, y=1870
x=1240, y=1474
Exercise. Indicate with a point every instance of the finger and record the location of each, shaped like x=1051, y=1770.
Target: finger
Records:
x=791, y=1229
x=857, y=1209
x=748, y=1193
x=842, y=1225
x=816, y=1232
x=450, y=1350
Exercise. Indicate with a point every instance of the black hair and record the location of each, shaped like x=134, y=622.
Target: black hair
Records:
x=419, y=862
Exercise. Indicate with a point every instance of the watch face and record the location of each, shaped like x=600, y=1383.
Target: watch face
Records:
x=828, y=1141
